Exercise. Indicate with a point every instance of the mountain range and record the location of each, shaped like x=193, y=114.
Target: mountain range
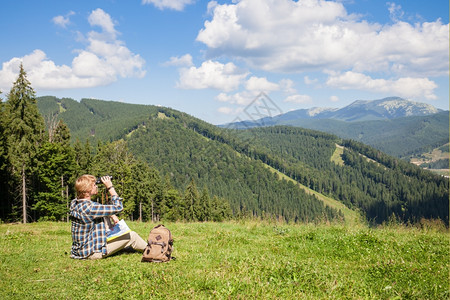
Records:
x=359, y=110
x=396, y=126
x=282, y=171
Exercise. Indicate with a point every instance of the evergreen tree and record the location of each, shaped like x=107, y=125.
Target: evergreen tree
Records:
x=56, y=164
x=114, y=159
x=171, y=205
x=191, y=202
x=61, y=134
x=5, y=207
x=172, y=208
x=147, y=191
x=83, y=157
x=24, y=134
x=220, y=209
x=205, y=206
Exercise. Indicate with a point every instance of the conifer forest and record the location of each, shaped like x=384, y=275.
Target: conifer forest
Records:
x=167, y=165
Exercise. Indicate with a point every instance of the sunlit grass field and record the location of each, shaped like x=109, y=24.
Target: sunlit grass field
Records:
x=233, y=260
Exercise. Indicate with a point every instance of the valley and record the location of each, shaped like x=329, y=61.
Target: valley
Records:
x=321, y=180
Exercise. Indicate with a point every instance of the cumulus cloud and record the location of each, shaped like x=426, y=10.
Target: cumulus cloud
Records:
x=251, y=105
x=240, y=98
x=170, y=4
x=256, y=89
x=104, y=59
x=260, y=84
x=407, y=87
x=287, y=86
x=229, y=111
x=212, y=74
x=298, y=36
x=63, y=21
x=183, y=61
x=100, y=18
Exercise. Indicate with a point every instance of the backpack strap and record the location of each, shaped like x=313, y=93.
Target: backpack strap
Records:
x=162, y=244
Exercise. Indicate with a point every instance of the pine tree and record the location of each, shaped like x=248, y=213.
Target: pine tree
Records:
x=220, y=209
x=172, y=206
x=115, y=159
x=205, y=206
x=61, y=134
x=191, y=202
x=146, y=189
x=4, y=203
x=56, y=161
x=24, y=134
x=83, y=157
x=56, y=164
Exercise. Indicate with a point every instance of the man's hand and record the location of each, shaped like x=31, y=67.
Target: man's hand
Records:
x=106, y=181
x=115, y=219
x=108, y=184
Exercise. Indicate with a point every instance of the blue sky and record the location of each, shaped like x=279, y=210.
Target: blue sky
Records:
x=211, y=59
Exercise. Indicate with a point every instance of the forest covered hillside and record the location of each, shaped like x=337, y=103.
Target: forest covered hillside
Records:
x=405, y=137
x=95, y=119
x=401, y=128
x=233, y=164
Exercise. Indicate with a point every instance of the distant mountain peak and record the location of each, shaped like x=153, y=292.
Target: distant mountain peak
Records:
x=312, y=112
x=359, y=110
x=410, y=108
x=363, y=110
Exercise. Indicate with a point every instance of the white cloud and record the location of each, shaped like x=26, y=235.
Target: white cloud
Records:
x=229, y=111
x=241, y=98
x=334, y=98
x=170, y=4
x=183, y=61
x=298, y=36
x=211, y=74
x=309, y=81
x=287, y=86
x=260, y=84
x=254, y=87
x=299, y=99
x=44, y=74
x=100, y=18
x=395, y=11
x=408, y=87
x=252, y=105
x=103, y=60
x=63, y=21
x=210, y=7
x=225, y=110
x=118, y=57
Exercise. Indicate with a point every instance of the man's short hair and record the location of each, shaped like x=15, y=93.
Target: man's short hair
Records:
x=84, y=185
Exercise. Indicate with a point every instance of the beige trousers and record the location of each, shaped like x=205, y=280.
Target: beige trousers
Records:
x=131, y=239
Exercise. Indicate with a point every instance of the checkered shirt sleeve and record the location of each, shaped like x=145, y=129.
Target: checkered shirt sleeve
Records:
x=88, y=227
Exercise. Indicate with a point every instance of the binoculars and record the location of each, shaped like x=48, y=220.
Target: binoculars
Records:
x=99, y=180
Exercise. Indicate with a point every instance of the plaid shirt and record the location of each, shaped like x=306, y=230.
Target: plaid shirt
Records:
x=88, y=226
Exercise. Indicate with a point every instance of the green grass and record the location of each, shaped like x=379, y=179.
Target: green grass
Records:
x=233, y=260
x=352, y=217
x=337, y=155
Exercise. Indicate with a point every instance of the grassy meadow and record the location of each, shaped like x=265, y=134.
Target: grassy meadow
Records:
x=233, y=260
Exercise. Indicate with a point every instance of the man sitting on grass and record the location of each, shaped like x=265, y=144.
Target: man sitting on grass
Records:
x=88, y=222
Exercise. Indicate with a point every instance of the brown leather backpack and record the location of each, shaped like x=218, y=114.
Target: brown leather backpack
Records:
x=159, y=245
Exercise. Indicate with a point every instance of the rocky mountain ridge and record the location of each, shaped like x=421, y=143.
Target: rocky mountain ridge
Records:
x=359, y=110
